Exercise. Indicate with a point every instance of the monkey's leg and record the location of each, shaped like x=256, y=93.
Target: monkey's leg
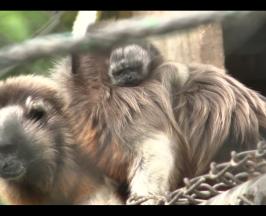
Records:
x=153, y=169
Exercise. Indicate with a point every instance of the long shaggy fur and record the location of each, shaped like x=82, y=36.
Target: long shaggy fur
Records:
x=104, y=117
x=203, y=111
x=216, y=114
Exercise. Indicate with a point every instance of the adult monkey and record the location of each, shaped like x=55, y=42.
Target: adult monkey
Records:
x=39, y=161
x=130, y=133
x=135, y=135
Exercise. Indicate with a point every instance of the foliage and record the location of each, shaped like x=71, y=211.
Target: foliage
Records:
x=17, y=26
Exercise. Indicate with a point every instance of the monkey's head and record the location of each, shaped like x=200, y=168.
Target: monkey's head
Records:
x=132, y=63
x=32, y=131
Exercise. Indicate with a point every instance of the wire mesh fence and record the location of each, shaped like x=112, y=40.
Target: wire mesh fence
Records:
x=222, y=177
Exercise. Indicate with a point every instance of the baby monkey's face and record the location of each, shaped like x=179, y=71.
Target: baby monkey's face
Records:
x=129, y=65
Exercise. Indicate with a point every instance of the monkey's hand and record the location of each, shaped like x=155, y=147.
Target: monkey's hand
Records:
x=152, y=171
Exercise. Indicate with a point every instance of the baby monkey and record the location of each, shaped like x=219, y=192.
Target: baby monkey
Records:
x=39, y=161
x=131, y=64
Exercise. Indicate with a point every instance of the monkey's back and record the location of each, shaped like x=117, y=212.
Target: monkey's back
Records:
x=109, y=120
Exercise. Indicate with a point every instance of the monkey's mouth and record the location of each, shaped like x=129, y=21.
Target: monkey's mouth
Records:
x=13, y=174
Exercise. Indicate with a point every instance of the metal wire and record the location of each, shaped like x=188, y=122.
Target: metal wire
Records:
x=109, y=35
x=224, y=176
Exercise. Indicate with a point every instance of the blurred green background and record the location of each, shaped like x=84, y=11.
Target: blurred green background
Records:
x=17, y=26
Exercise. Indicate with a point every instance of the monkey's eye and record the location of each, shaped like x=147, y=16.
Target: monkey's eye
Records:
x=36, y=109
x=118, y=72
x=125, y=70
x=36, y=113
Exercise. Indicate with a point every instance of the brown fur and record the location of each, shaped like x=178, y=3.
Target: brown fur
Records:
x=214, y=110
x=110, y=121
x=68, y=176
x=210, y=110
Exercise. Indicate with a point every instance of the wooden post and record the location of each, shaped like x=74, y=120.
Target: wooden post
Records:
x=203, y=44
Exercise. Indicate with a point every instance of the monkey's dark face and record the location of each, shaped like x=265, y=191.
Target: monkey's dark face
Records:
x=29, y=138
x=129, y=65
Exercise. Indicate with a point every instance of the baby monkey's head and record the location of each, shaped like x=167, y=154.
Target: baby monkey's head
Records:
x=132, y=63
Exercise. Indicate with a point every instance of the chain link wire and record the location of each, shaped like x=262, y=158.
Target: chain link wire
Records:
x=221, y=177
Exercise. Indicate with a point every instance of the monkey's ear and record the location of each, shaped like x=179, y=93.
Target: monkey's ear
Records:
x=75, y=63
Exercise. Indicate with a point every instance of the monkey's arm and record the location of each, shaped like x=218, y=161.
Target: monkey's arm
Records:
x=153, y=168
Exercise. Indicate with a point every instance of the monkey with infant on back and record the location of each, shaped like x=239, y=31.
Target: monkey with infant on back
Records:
x=149, y=123
x=139, y=119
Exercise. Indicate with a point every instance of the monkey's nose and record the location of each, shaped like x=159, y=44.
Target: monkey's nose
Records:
x=8, y=165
